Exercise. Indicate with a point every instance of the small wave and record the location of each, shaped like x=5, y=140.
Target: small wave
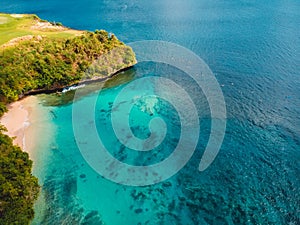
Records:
x=72, y=88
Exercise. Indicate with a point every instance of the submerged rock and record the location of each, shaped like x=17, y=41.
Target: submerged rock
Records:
x=137, y=211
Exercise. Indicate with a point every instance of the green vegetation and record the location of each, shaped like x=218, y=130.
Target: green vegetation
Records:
x=43, y=63
x=18, y=188
x=49, y=60
x=38, y=55
x=14, y=26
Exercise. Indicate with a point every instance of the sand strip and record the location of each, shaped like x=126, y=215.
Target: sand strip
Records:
x=22, y=121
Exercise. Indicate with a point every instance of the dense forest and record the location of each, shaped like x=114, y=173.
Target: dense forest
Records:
x=44, y=63
x=18, y=188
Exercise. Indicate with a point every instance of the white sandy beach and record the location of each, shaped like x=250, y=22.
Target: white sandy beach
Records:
x=23, y=123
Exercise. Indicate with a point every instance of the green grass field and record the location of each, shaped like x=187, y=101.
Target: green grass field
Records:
x=18, y=25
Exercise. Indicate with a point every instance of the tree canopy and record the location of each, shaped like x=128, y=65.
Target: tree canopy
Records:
x=18, y=187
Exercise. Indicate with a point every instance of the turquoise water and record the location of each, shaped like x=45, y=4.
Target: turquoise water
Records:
x=253, y=48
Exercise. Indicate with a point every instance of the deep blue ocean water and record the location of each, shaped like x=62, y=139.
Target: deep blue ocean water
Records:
x=253, y=48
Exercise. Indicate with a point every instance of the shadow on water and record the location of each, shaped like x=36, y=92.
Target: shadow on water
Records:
x=62, y=99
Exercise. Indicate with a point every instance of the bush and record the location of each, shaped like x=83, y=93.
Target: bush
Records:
x=3, y=109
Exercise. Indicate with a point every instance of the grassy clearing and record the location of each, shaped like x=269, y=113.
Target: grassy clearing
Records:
x=13, y=26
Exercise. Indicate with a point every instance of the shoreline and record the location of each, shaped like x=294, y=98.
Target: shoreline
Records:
x=86, y=81
x=29, y=125
x=22, y=123
x=23, y=116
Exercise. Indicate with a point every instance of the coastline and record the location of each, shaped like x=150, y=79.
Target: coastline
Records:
x=24, y=123
x=83, y=82
x=29, y=124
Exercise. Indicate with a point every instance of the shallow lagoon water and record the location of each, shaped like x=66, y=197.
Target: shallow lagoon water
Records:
x=253, y=50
